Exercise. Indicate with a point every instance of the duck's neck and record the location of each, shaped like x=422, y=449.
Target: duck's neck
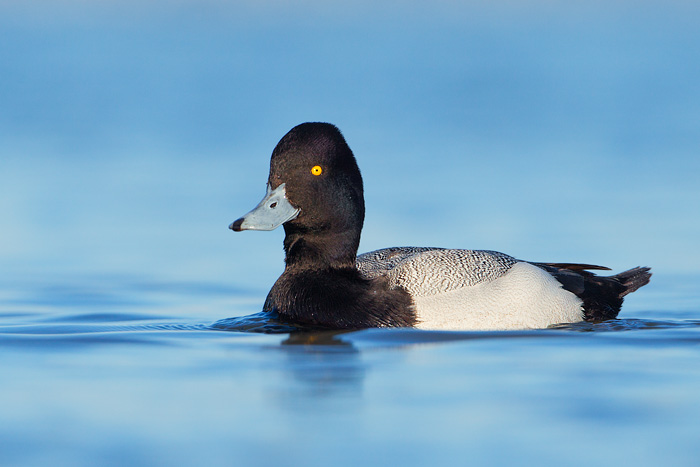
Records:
x=320, y=249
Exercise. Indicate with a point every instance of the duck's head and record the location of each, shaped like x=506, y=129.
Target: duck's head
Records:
x=314, y=186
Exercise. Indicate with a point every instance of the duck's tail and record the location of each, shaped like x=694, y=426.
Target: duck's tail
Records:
x=602, y=296
x=633, y=279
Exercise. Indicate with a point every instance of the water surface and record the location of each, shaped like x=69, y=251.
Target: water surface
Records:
x=90, y=379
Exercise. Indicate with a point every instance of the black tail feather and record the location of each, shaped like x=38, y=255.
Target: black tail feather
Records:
x=602, y=295
x=633, y=279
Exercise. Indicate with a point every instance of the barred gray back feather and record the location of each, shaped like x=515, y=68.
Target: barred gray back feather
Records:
x=429, y=271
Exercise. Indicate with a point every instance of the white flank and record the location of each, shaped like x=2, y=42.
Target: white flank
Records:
x=526, y=297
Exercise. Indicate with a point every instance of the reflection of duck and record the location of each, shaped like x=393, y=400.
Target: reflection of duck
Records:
x=317, y=338
x=321, y=364
x=315, y=190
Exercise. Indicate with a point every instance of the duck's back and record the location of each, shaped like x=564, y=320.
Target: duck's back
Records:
x=473, y=289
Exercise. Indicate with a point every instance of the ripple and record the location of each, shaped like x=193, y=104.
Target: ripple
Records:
x=116, y=327
x=263, y=322
x=62, y=329
x=632, y=324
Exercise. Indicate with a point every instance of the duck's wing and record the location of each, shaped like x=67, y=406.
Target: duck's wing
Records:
x=571, y=275
x=575, y=266
x=429, y=271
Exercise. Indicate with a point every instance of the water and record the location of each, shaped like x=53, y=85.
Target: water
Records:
x=89, y=381
x=132, y=134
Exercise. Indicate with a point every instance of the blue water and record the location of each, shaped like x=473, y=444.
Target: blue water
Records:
x=133, y=133
x=99, y=381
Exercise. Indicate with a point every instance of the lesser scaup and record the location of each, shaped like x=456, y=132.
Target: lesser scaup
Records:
x=315, y=191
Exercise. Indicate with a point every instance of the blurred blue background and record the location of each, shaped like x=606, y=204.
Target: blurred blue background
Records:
x=133, y=133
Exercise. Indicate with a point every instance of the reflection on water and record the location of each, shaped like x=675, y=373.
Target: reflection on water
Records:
x=320, y=362
x=320, y=365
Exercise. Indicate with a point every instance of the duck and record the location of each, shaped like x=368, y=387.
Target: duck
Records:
x=315, y=192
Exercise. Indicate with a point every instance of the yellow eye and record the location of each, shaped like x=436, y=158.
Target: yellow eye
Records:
x=316, y=170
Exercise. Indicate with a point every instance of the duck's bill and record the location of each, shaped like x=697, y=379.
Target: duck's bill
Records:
x=273, y=211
